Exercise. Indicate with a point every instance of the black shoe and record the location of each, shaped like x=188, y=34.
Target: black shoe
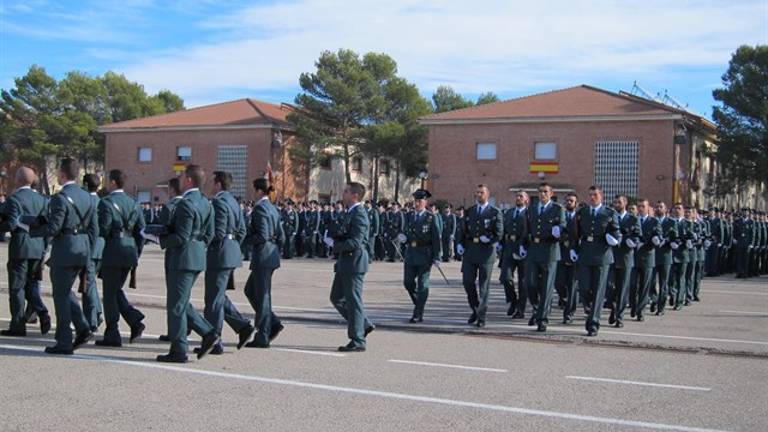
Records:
x=244, y=335
x=687, y=303
x=136, y=331
x=108, y=343
x=45, y=323
x=640, y=317
x=480, y=323
x=209, y=341
x=591, y=332
x=82, y=339
x=671, y=301
x=532, y=321
x=368, y=330
x=172, y=358
x=696, y=299
x=472, y=318
x=276, y=329
x=351, y=348
x=217, y=350
x=58, y=350
x=257, y=344
x=519, y=315
x=619, y=324
x=163, y=338
x=567, y=320
x=660, y=312
x=612, y=319
x=416, y=319
x=653, y=307
x=677, y=308
x=632, y=313
x=541, y=328
x=512, y=309
x=9, y=332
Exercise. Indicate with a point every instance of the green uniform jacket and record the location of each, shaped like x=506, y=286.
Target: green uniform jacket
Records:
x=120, y=224
x=373, y=219
x=98, y=249
x=623, y=255
x=591, y=246
x=266, y=236
x=668, y=235
x=449, y=225
x=568, y=239
x=515, y=231
x=423, y=244
x=228, y=233
x=290, y=222
x=743, y=233
x=684, y=233
x=24, y=202
x=191, y=229
x=645, y=255
x=489, y=223
x=73, y=237
x=352, y=243
x=542, y=246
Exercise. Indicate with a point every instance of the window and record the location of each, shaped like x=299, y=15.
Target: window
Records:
x=184, y=153
x=233, y=159
x=486, y=151
x=616, y=167
x=145, y=154
x=357, y=164
x=545, y=151
x=384, y=167
x=143, y=197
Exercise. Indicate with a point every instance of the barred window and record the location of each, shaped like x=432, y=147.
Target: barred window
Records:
x=233, y=159
x=616, y=167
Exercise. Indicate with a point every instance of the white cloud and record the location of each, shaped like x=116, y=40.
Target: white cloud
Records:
x=474, y=46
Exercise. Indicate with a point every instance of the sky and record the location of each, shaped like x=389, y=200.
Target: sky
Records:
x=210, y=51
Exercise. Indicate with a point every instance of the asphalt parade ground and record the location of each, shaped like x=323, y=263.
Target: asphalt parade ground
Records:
x=699, y=369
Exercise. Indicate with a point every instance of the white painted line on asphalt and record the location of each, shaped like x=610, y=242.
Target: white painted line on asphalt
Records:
x=765, y=314
x=443, y=365
x=384, y=394
x=303, y=351
x=734, y=292
x=639, y=383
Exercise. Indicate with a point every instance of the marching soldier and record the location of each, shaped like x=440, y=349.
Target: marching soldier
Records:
x=645, y=259
x=72, y=223
x=290, y=221
x=25, y=254
x=597, y=231
x=190, y=231
x=422, y=239
x=545, y=225
x=513, y=256
x=664, y=259
x=743, y=237
x=483, y=229
x=348, y=240
x=267, y=238
x=222, y=258
x=449, y=232
x=90, y=296
x=120, y=224
x=395, y=226
x=373, y=218
x=459, y=228
x=566, y=268
x=623, y=259
x=680, y=257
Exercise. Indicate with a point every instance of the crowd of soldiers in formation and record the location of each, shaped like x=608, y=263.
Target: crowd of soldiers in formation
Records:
x=620, y=256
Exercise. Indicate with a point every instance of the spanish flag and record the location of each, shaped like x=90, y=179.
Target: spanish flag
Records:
x=545, y=167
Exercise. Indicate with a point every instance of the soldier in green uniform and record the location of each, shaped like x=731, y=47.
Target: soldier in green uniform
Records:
x=716, y=233
x=349, y=240
x=483, y=229
x=190, y=231
x=513, y=255
x=267, y=237
x=72, y=222
x=566, y=268
x=311, y=229
x=645, y=260
x=290, y=220
x=120, y=224
x=680, y=257
x=449, y=232
x=373, y=219
x=623, y=259
x=743, y=237
x=664, y=260
x=422, y=239
x=222, y=258
x=24, y=254
x=90, y=297
x=597, y=231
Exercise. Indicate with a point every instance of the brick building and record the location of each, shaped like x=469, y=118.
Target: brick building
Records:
x=573, y=138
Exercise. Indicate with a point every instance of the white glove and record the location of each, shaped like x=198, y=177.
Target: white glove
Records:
x=707, y=244
x=402, y=238
x=750, y=247
x=499, y=247
x=436, y=263
x=485, y=239
x=674, y=245
x=453, y=237
x=689, y=244
x=523, y=252
x=656, y=241
x=151, y=237
x=460, y=249
x=611, y=240
x=719, y=245
x=735, y=241
x=631, y=243
x=328, y=241
x=556, y=231
x=574, y=256
x=23, y=226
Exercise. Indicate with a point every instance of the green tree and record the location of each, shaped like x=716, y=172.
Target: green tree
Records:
x=446, y=99
x=486, y=98
x=742, y=119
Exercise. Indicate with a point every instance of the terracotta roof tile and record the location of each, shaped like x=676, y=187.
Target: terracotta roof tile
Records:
x=237, y=112
x=577, y=101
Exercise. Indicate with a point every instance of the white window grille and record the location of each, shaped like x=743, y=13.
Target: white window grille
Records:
x=233, y=159
x=616, y=167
